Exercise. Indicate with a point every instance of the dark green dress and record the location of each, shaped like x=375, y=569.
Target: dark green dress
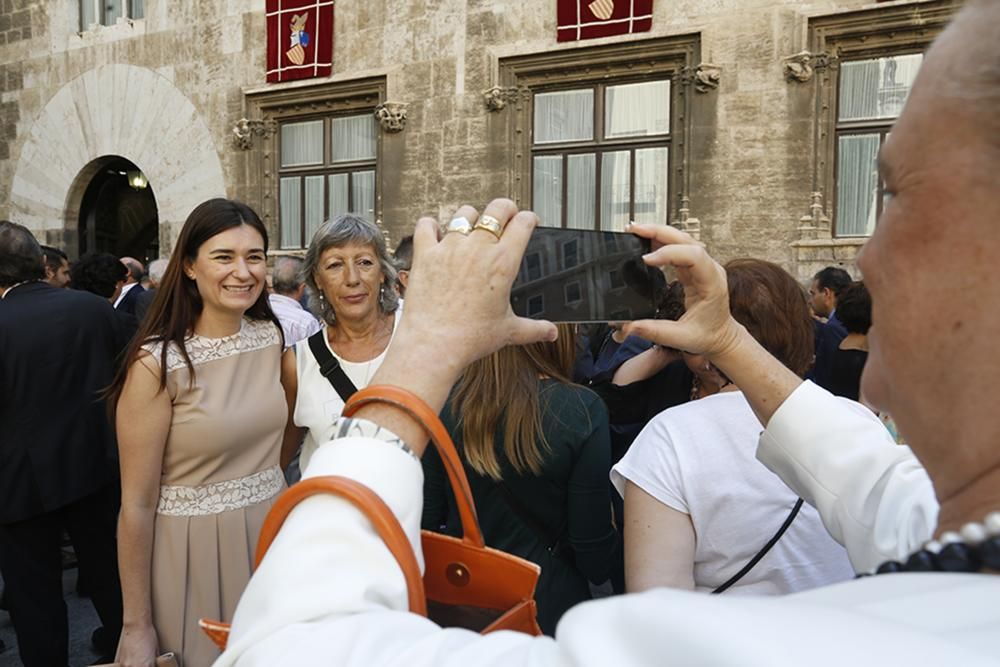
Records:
x=569, y=501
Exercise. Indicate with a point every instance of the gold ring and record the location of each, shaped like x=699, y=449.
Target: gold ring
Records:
x=490, y=224
x=460, y=225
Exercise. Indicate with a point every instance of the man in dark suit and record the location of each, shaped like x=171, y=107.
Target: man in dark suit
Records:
x=823, y=292
x=131, y=290
x=57, y=449
x=157, y=269
x=102, y=274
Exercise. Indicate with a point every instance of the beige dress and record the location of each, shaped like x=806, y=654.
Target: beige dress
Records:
x=220, y=477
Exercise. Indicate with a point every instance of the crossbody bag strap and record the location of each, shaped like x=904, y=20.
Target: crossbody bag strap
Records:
x=329, y=366
x=763, y=552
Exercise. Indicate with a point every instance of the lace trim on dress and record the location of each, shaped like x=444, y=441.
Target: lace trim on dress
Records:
x=218, y=497
x=253, y=335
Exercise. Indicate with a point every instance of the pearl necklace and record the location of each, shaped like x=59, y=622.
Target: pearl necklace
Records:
x=976, y=546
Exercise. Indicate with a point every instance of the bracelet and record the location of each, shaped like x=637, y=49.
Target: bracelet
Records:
x=345, y=427
x=406, y=401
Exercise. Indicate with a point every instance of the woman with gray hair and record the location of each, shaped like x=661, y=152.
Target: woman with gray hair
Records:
x=351, y=281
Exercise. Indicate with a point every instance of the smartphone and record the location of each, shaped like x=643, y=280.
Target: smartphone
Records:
x=583, y=276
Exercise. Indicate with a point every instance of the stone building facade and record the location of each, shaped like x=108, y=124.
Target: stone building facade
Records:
x=754, y=145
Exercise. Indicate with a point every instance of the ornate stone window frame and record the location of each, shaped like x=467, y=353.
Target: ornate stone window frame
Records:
x=674, y=57
x=258, y=135
x=880, y=31
x=871, y=33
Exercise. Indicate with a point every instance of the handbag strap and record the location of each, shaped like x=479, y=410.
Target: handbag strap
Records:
x=329, y=366
x=374, y=509
x=413, y=406
x=763, y=552
x=368, y=503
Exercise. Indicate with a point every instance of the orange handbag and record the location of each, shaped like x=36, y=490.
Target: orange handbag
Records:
x=465, y=584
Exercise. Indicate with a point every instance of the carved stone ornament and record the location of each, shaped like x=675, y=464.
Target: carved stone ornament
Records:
x=391, y=116
x=245, y=130
x=705, y=77
x=815, y=225
x=801, y=66
x=685, y=222
x=497, y=97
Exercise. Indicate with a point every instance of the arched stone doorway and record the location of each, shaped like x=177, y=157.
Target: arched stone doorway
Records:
x=114, y=111
x=118, y=211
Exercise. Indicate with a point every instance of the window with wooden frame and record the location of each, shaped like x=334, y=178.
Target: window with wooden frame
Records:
x=319, y=156
x=871, y=93
x=599, y=133
x=326, y=168
x=868, y=62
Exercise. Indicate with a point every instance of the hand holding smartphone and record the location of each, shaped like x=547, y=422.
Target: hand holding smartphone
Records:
x=583, y=276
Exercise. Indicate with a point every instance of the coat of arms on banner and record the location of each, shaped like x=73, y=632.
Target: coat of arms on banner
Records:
x=299, y=39
x=587, y=19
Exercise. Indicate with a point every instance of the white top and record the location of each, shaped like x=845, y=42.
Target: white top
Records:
x=698, y=459
x=317, y=403
x=330, y=593
x=297, y=323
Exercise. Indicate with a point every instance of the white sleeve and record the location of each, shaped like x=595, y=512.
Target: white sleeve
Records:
x=652, y=464
x=872, y=494
x=330, y=593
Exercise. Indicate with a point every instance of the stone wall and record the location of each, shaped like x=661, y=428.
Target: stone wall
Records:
x=751, y=144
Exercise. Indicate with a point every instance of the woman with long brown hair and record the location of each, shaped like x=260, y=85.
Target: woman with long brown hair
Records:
x=200, y=414
x=537, y=453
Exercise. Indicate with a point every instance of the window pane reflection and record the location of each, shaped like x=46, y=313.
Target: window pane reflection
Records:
x=877, y=88
x=547, y=193
x=615, y=187
x=857, y=184
x=651, y=185
x=353, y=138
x=339, y=201
x=637, y=109
x=302, y=143
x=567, y=115
x=363, y=194
x=581, y=184
x=314, y=204
x=291, y=212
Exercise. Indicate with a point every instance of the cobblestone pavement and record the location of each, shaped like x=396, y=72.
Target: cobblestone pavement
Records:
x=82, y=621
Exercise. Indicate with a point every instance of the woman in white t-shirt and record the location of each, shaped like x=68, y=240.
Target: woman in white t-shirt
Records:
x=698, y=505
x=351, y=281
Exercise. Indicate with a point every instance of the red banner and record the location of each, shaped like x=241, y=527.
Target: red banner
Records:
x=299, y=39
x=587, y=19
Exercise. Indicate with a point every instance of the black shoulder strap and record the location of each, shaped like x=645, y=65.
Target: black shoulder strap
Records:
x=763, y=552
x=329, y=367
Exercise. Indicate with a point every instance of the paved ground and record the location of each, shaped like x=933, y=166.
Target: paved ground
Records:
x=82, y=621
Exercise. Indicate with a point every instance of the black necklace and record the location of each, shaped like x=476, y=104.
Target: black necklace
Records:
x=975, y=547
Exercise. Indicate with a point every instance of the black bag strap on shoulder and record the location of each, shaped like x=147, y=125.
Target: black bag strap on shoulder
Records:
x=329, y=366
x=763, y=552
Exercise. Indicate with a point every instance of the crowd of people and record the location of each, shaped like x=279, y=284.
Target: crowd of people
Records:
x=620, y=459
x=221, y=390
